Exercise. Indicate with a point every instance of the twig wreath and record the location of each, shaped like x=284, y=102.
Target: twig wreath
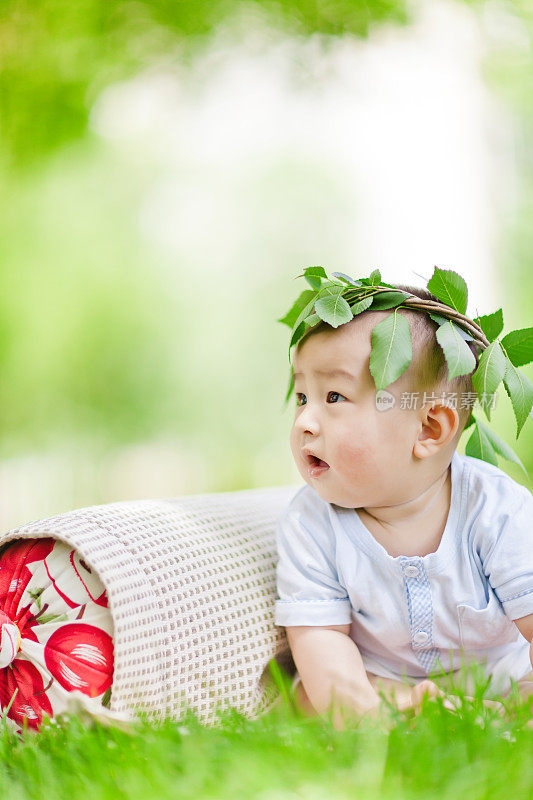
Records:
x=335, y=300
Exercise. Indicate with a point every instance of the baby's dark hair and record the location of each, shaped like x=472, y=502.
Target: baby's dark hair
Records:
x=428, y=370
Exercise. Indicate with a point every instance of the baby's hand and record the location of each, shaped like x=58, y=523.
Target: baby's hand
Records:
x=411, y=697
x=400, y=695
x=405, y=697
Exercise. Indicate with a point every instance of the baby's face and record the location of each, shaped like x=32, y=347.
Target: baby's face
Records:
x=369, y=452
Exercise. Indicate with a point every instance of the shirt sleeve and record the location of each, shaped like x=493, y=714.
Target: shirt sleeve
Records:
x=508, y=562
x=309, y=592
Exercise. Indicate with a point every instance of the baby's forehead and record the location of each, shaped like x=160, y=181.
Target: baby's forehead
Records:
x=346, y=347
x=351, y=338
x=334, y=348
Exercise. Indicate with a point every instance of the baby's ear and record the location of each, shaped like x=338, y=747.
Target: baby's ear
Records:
x=439, y=425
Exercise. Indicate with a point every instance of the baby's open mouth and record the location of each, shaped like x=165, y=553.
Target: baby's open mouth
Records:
x=314, y=461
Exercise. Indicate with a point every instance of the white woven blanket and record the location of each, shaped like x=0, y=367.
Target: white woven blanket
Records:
x=191, y=589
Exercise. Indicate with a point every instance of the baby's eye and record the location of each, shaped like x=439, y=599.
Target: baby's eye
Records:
x=337, y=394
x=299, y=394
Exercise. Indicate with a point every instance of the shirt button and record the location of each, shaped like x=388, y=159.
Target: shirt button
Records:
x=411, y=571
x=420, y=637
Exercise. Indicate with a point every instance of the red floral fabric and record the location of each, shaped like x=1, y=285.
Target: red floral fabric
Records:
x=56, y=631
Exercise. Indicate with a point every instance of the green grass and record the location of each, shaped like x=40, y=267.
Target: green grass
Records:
x=471, y=752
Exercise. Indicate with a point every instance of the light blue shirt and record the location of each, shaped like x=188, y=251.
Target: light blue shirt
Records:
x=417, y=615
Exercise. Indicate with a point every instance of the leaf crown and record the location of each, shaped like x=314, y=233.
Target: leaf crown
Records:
x=337, y=299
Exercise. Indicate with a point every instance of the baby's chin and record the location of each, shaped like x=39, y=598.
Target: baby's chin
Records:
x=339, y=498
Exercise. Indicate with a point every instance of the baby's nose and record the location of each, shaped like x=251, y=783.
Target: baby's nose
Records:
x=9, y=640
x=307, y=420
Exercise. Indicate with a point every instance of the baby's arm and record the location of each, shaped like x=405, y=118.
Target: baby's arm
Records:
x=525, y=626
x=331, y=669
x=334, y=678
x=507, y=560
x=314, y=607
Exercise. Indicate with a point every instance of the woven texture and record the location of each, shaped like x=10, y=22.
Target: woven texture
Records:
x=191, y=586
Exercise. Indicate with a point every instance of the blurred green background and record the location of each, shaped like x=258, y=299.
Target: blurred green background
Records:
x=168, y=168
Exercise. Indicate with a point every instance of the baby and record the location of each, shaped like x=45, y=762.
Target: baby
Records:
x=400, y=559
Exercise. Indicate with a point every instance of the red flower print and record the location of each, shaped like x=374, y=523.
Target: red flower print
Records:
x=30, y=700
x=64, y=655
x=14, y=572
x=90, y=582
x=80, y=656
x=9, y=640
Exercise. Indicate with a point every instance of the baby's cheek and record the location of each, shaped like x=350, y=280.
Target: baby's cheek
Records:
x=353, y=459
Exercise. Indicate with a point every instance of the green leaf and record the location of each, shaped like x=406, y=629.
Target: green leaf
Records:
x=501, y=447
x=333, y=288
x=440, y=320
x=36, y=596
x=479, y=446
x=106, y=699
x=520, y=391
x=470, y=421
x=45, y=618
x=334, y=310
x=390, y=286
x=313, y=320
x=385, y=300
x=290, y=386
x=299, y=329
x=459, y=357
x=450, y=288
x=314, y=275
x=489, y=372
x=519, y=346
x=299, y=326
x=314, y=282
x=318, y=271
x=361, y=305
x=375, y=277
x=368, y=282
x=391, y=351
x=297, y=334
x=292, y=315
x=344, y=277
x=491, y=324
